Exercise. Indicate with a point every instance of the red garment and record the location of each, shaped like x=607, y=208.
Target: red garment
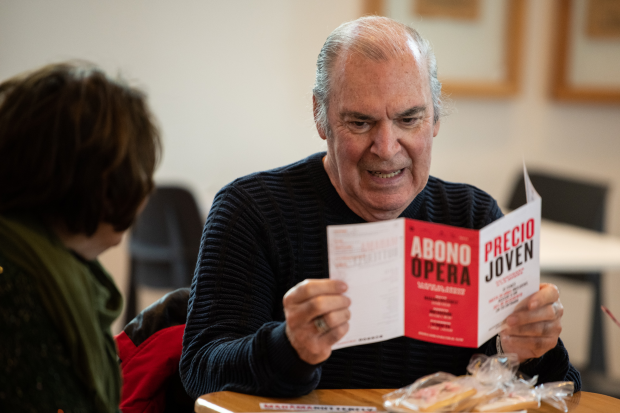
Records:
x=147, y=368
x=149, y=349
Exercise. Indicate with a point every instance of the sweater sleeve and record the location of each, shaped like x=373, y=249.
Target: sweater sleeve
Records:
x=235, y=333
x=554, y=365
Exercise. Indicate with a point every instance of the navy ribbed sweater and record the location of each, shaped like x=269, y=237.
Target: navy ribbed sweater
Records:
x=265, y=233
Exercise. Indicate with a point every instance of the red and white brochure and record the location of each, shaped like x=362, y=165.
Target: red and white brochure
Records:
x=434, y=282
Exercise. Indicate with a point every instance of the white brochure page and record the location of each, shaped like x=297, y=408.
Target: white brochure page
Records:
x=530, y=193
x=370, y=258
x=513, y=265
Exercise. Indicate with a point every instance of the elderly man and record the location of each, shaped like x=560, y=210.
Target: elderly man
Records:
x=263, y=314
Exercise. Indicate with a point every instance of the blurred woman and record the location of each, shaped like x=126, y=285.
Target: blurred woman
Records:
x=77, y=155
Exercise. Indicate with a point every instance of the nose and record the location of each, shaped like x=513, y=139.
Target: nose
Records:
x=385, y=143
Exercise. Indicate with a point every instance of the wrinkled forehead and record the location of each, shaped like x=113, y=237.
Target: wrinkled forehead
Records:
x=371, y=73
x=378, y=48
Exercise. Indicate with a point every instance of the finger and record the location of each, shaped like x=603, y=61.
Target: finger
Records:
x=299, y=315
x=335, y=334
x=547, y=294
x=549, y=312
x=321, y=305
x=311, y=288
x=336, y=318
x=542, y=329
x=310, y=347
x=528, y=347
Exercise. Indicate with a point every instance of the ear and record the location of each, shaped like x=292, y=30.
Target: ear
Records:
x=436, y=128
x=315, y=110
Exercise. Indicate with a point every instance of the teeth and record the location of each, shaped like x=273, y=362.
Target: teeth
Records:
x=390, y=175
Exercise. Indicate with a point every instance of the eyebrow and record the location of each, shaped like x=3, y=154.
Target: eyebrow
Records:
x=405, y=114
x=356, y=115
x=412, y=112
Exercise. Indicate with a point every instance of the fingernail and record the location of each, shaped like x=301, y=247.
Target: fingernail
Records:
x=534, y=304
x=342, y=287
x=511, y=320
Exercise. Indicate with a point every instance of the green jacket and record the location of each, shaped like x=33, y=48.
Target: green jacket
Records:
x=80, y=302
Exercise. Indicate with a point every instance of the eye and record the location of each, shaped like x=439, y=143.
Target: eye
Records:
x=358, y=126
x=409, y=121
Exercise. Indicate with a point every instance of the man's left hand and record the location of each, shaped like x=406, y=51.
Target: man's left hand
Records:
x=535, y=325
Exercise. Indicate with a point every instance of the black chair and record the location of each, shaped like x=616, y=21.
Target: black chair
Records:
x=164, y=243
x=581, y=204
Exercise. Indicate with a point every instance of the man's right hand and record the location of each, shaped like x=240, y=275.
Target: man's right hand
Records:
x=307, y=301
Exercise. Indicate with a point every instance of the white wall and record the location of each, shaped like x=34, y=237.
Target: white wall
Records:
x=230, y=83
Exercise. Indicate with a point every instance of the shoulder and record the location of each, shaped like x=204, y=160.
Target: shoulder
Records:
x=460, y=204
x=298, y=171
x=455, y=191
x=276, y=185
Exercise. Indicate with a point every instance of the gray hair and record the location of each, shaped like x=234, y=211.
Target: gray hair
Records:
x=376, y=38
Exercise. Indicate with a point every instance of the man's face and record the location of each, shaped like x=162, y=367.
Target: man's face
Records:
x=381, y=120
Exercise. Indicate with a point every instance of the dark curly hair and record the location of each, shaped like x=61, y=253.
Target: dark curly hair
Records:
x=76, y=147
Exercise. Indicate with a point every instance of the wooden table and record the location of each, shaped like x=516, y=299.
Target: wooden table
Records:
x=230, y=402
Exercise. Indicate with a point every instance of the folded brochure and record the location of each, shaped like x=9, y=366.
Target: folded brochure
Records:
x=434, y=282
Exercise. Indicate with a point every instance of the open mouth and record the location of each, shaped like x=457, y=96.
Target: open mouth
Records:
x=380, y=174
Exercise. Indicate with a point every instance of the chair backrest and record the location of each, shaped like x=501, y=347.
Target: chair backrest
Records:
x=165, y=239
x=566, y=200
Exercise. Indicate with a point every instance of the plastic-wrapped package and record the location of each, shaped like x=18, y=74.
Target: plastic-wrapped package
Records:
x=554, y=393
x=434, y=393
x=518, y=395
x=483, y=394
x=509, y=403
x=491, y=375
x=494, y=370
x=507, y=390
x=493, y=385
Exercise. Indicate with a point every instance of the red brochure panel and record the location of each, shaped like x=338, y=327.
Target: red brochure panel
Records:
x=441, y=283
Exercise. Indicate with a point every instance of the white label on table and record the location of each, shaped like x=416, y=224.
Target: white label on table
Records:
x=315, y=407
